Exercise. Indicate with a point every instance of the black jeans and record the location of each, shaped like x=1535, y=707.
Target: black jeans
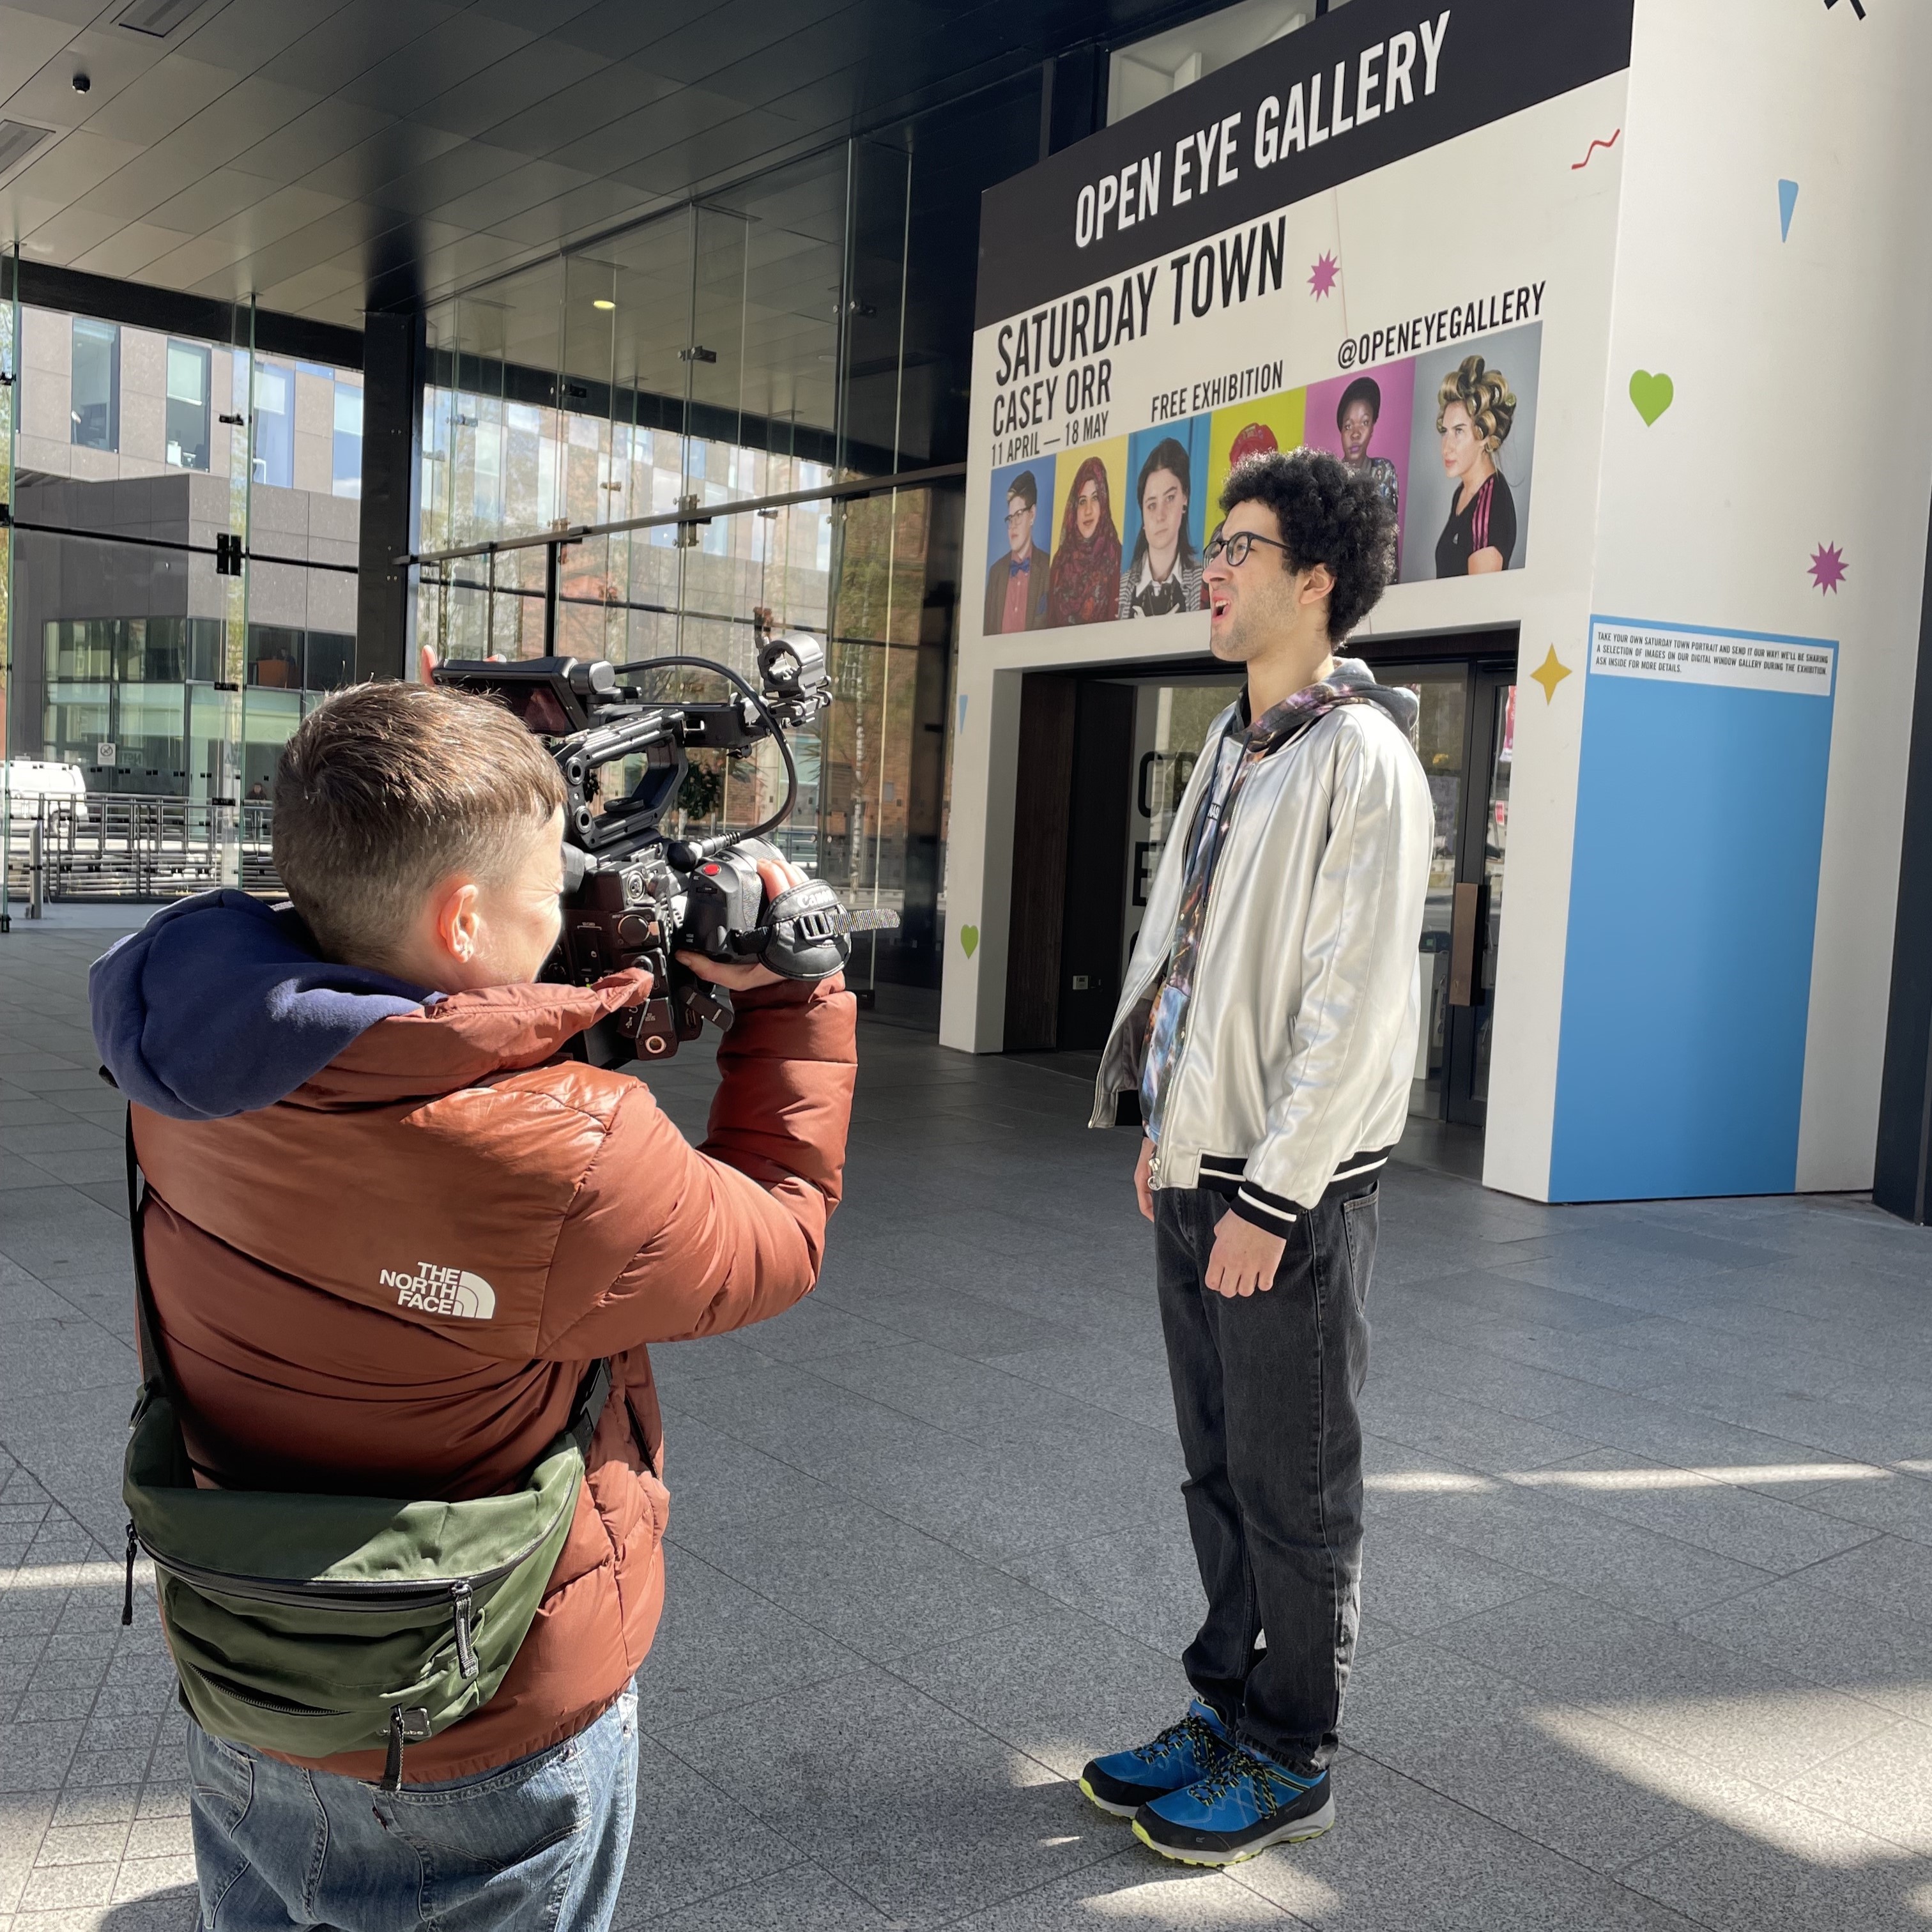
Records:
x=1265, y=1392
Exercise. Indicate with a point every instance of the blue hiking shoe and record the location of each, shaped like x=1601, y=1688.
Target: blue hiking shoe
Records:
x=1122, y=1781
x=1245, y=1803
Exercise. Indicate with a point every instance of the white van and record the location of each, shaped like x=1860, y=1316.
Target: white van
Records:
x=64, y=788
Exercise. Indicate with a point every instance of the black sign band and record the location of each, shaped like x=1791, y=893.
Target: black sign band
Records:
x=1348, y=93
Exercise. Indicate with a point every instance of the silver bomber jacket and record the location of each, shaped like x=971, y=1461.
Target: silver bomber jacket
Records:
x=1298, y=1045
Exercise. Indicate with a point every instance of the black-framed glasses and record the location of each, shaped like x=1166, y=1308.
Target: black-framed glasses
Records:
x=1235, y=548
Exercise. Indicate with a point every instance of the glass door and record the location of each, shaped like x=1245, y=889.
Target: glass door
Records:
x=1476, y=926
x=1441, y=741
x=1171, y=722
x=1465, y=737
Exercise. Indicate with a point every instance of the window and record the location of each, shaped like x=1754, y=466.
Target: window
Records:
x=188, y=406
x=348, y=442
x=331, y=658
x=274, y=426
x=97, y=385
x=275, y=657
x=1149, y=70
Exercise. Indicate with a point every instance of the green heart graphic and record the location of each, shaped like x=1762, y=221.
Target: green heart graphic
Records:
x=1652, y=394
x=969, y=937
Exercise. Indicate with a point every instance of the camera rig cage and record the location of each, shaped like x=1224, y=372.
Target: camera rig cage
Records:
x=632, y=896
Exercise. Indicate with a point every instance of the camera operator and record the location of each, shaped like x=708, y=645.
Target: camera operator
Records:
x=1269, y=1022
x=390, y=1228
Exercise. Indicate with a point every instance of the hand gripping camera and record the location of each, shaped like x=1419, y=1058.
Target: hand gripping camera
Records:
x=633, y=897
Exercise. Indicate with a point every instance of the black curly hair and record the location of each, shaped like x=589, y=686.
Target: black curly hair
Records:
x=1327, y=515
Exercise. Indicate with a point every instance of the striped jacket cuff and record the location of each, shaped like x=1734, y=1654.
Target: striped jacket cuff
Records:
x=1273, y=1212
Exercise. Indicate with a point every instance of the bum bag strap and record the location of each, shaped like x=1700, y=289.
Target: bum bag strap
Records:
x=154, y=1360
x=592, y=1393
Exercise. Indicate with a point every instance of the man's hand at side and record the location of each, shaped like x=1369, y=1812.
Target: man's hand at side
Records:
x=1143, y=1185
x=742, y=976
x=1245, y=1257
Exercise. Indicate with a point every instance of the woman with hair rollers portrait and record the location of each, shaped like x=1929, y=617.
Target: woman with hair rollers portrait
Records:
x=1086, y=574
x=1475, y=408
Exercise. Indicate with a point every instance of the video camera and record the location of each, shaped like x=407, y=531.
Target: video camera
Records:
x=634, y=897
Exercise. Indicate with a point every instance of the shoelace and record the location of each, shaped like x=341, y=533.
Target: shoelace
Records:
x=1278, y=1787
x=1191, y=1729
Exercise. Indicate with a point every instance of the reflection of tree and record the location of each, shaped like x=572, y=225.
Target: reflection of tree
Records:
x=865, y=782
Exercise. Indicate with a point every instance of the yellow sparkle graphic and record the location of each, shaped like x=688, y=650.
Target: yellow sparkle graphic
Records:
x=1550, y=673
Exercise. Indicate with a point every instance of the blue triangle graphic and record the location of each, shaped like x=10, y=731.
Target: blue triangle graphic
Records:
x=1787, y=200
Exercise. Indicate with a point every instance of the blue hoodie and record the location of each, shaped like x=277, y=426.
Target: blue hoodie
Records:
x=220, y=1004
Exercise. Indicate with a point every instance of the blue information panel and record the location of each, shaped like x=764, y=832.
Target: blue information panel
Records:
x=1693, y=902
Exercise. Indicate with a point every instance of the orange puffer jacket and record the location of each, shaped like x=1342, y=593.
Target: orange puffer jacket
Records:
x=391, y=1281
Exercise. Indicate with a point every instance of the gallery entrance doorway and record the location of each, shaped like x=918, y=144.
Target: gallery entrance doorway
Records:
x=1105, y=757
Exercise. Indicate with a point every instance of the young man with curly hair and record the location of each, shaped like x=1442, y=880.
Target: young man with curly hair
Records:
x=1268, y=1026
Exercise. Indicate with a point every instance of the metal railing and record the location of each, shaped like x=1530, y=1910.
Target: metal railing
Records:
x=131, y=846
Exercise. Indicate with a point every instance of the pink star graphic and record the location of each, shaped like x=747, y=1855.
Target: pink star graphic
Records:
x=1828, y=568
x=1323, y=279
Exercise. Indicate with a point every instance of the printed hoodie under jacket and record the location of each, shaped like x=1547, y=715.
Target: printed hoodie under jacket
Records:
x=388, y=1232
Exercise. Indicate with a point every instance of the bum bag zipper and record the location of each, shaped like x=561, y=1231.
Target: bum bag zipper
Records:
x=374, y=1596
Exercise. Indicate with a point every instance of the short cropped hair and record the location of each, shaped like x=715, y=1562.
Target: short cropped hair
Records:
x=1485, y=394
x=1362, y=389
x=1327, y=514
x=1025, y=489
x=386, y=788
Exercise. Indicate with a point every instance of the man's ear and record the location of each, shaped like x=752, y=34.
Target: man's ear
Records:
x=1321, y=582
x=459, y=927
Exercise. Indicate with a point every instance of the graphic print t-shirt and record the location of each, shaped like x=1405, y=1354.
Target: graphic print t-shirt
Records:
x=1488, y=522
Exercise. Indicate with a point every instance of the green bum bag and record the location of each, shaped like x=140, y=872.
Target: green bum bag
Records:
x=312, y=1624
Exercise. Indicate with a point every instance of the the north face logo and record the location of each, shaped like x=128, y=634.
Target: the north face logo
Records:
x=443, y=1290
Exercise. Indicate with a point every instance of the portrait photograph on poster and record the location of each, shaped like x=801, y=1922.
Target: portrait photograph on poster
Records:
x=1472, y=452
x=1242, y=429
x=1084, y=581
x=1019, y=546
x=1166, y=524
x=1364, y=419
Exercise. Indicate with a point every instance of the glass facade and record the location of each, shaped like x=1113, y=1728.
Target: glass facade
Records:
x=132, y=455
x=754, y=347
x=811, y=327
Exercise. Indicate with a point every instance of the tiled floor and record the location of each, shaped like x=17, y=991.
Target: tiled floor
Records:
x=1647, y=1639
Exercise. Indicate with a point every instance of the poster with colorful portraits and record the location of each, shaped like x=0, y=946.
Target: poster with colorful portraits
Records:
x=1091, y=487
x=1165, y=528
x=1019, y=546
x=1247, y=429
x=1472, y=447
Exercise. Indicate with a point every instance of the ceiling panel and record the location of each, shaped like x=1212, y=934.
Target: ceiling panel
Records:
x=474, y=106
x=579, y=112
x=130, y=248
x=64, y=235
x=152, y=177
x=329, y=128
x=212, y=199
x=154, y=104
x=343, y=154
x=27, y=41
x=250, y=37
x=65, y=172
x=351, y=41
x=448, y=54
x=393, y=150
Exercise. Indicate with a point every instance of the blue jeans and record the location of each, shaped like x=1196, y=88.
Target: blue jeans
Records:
x=1265, y=1390
x=537, y=1846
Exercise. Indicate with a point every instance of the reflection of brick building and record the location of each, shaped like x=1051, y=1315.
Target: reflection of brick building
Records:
x=125, y=633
